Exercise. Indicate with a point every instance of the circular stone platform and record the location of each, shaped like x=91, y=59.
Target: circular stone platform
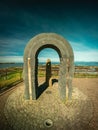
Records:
x=48, y=111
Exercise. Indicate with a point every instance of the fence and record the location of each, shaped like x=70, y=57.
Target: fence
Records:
x=10, y=76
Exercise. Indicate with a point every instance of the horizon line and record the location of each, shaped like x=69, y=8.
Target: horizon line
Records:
x=44, y=62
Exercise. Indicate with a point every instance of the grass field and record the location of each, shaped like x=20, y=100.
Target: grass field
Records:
x=11, y=76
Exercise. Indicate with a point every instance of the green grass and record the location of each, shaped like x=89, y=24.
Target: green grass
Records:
x=76, y=75
x=14, y=75
x=41, y=73
x=9, y=79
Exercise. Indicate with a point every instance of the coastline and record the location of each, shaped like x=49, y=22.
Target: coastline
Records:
x=77, y=64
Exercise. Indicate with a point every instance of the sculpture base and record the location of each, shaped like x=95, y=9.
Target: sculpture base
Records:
x=48, y=111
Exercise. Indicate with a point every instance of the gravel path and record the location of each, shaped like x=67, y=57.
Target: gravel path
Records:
x=89, y=86
x=49, y=112
x=3, y=98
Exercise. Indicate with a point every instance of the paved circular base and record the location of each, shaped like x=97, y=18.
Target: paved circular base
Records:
x=48, y=111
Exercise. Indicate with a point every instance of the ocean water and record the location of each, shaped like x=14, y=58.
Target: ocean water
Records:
x=78, y=63
x=8, y=65
x=81, y=63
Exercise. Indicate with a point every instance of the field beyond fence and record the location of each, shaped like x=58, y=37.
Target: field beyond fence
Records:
x=12, y=76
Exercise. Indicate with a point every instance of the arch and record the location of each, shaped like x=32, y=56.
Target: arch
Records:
x=65, y=52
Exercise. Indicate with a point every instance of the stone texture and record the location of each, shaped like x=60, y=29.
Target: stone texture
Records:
x=31, y=114
x=88, y=90
x=65, y=52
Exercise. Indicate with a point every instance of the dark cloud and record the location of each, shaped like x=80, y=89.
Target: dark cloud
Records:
x=20, y=20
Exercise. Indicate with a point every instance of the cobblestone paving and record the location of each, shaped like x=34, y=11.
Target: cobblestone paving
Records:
x=33, y=114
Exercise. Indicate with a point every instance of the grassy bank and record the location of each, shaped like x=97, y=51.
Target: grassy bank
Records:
x=80, y=71
x=12, y=76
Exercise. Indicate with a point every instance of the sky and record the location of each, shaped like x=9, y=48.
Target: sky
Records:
x=75, y=20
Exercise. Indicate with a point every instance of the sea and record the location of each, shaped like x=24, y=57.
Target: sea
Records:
x=78, y=63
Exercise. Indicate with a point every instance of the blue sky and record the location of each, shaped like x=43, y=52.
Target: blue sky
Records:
x=75, y=20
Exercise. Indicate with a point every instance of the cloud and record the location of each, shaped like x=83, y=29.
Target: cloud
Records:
x=9, y=59
x=52, y=59
x=78, y=56
x=82, y=52
x=79, y=46
x=86, y=56
x=11, y=46
x=8, y=53
x=48, y=52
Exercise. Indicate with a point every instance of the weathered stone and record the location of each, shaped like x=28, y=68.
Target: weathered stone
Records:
x=65, y=52
x=49, y=112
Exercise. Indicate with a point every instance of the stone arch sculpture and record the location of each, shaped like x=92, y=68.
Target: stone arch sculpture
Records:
x=66, y=71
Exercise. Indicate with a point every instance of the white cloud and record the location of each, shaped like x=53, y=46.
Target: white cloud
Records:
x=78, y=46
x=42, y=59
x=83, y=52
x=86, y=55
x=90, y=55
x=8, y=59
